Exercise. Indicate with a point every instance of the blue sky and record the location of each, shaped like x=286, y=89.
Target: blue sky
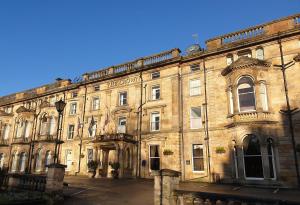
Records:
x=41, y=40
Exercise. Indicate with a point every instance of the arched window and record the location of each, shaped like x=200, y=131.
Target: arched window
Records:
x=14, y=163
x=246, y=96
x=260, y=53
x=252, y=157
x=23, y=158
x=263, y=96
x=48, y=159
x=38, y=161
x=1, y=160
x=271, y=158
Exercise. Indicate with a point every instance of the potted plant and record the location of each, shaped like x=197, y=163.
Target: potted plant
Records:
x=92, y=165
x=220, y=150
x=115, y=169
x=167, y=152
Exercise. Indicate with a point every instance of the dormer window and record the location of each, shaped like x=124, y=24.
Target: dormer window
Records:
x=246, y=96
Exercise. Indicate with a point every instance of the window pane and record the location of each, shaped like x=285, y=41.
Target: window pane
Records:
x=198, y=151
x=196, y=112
x=198, y=164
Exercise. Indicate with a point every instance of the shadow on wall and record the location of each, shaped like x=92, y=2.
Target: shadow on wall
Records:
x=260, y=153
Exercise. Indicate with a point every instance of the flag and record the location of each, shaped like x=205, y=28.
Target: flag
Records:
x=92, y=123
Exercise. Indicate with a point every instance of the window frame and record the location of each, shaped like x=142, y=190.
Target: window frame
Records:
x=155, y=75
x=193, y=168
x=193, y=118
x=121, y=103
x=71, y=108
x=195, y=87
x=193, y=66
x=151, y=122
x=238, y=96
x=149, y=156
x=94, y=104
x=153, y=96
x=72, y=134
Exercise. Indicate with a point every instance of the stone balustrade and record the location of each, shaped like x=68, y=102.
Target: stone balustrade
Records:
x=46, y=137
x=252, y=117
x=27, y=182
x=134, y=65
x=244, y=34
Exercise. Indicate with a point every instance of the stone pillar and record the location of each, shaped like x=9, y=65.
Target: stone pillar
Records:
x=55, y=178
x=165, y=182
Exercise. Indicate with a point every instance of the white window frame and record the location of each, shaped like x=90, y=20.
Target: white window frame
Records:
x=73, y=108
x=120, y=126
x=71, y=134
x=96, y=103
x=151, y=121
x=197, y=87
x=258, y=55
x=67, y=151
x=154, y=88
x=238, y=97
x=195, y=118
x=149, y=156
x=122, y=99
x=202, y=147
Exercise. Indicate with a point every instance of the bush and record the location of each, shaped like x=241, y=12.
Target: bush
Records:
x=93, y=165
x=115, y=165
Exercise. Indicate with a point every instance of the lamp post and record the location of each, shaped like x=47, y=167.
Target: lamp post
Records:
x=60, y=106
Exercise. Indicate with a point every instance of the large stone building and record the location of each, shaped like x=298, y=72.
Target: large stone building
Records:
x=214, y=114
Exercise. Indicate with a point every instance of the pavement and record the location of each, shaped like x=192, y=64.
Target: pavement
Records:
x=102, y=191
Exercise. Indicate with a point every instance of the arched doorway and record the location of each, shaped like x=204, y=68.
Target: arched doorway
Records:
x=38, y=161
x=14, y=163
x=252, y=157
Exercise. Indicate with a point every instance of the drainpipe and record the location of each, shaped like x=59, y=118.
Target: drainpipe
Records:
x=289, y=112
x=80, y=144
x=181, y=145
x=206, y=124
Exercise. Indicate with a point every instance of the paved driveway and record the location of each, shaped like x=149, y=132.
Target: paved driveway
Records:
x=86, y=191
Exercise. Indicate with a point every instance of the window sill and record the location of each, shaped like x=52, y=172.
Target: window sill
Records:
x=195, y=95
x=199, y=172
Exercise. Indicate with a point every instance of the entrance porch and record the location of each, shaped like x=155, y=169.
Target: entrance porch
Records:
x=116, y=148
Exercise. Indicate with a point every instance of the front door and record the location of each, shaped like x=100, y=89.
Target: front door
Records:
x=69, y=159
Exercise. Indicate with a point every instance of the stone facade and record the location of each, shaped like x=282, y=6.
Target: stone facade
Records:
x=212, y=114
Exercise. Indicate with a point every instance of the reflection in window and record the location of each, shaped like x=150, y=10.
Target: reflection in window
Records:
x=246, y=94
x=154, y=157
x=252, y=157
x=198, y=162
